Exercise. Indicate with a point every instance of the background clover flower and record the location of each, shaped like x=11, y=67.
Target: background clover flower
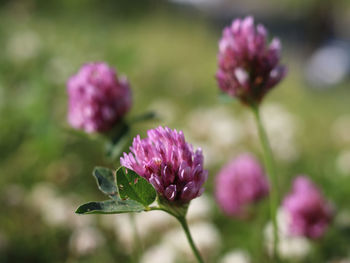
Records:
x=248, y=66
x=98, y=99
x=240, y=183
x=169, y=163
x=309, y=212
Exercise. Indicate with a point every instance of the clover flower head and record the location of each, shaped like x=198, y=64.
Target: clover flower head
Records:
x=309, y=212
x=248, y=66
x=98, y=98
x=169, y=163
x=240, y=183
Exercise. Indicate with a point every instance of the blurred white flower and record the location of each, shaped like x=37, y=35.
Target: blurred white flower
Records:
x=146, y=225
x=123, y=229
x=211, y=153
x=283, y=221
x=236, y=256
x=294, y=248
x=329, y=65
x=24, y=45
x=205, y=235
x=200, y=208
x=154, y=221
x=289, y=247
x=215, y=128
x=54, y=209
x=41, y=196
x=343, y=162
x=85, y=240
x=340, y=130
x=282, y=128
x=159, y=254
x=218, y=125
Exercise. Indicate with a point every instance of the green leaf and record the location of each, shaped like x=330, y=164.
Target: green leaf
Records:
x=133, y=186
x=110, y=207
x=105, y=180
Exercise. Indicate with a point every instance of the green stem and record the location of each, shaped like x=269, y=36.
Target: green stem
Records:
x=271, y=171
x=184, y=225
x=183, y=222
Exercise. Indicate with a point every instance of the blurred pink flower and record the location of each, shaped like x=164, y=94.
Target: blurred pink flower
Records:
x=248, y=66
x=309, y=212
x=240, y=183
x=98, y=99
x=169, y=163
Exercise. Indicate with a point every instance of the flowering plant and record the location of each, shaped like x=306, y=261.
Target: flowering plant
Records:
x=162, y=166
x=248, y=68
x=164, y=172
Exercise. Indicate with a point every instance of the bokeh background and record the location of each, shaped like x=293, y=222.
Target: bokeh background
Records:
x=168, y=51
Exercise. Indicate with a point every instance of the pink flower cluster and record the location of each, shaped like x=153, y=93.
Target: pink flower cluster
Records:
x=248, y=67
x=98, y=99
x=169, y=163
x=240, y=183
x=310, y=213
